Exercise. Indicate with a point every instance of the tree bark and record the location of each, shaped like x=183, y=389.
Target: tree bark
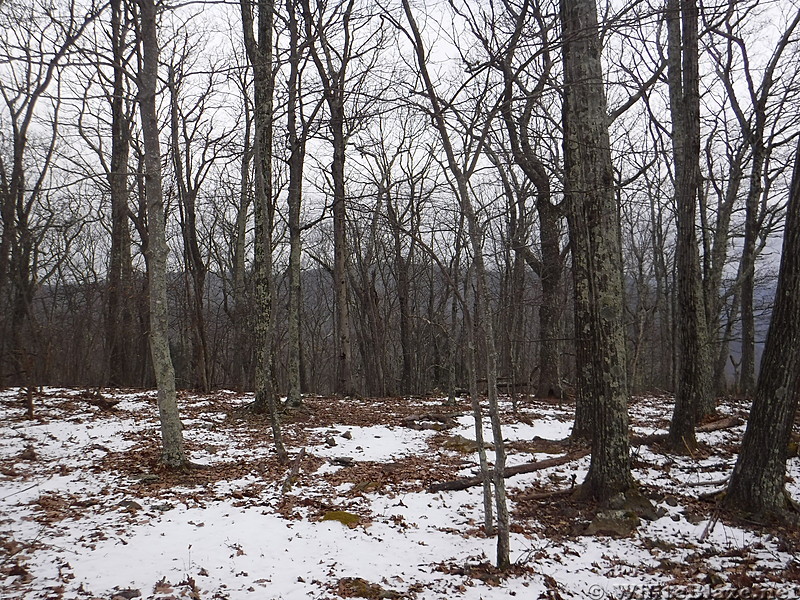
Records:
x=333, y=83
x=259, y=53
x=157, y=250
x=694, y=360
x=592, y=214
x=119, y=311
x=757, y=484
x=295, y=197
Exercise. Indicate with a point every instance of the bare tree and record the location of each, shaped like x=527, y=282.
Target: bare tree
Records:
x=762, y=104
x=260, y=55
x=171, y=428
x=198, y=143
x=461, y=175
x=694, y=360
x=592, y=214
x=36, y=42
x=120, y=310
x=757, y=484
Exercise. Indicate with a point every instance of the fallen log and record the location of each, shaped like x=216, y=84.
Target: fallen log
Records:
x=654, y=438
x=726, y=423
x=544, y=495
x=463, y=484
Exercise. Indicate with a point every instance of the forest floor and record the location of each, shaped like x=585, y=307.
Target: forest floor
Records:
x=86, y=512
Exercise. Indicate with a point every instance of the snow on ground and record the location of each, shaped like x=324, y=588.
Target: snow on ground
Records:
x=86, y=511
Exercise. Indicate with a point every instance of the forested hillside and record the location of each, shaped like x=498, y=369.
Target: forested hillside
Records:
x=489, y=203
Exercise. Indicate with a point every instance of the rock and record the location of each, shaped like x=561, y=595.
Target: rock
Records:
x=347, y=435
x=126, y=594
x=365, y=487
x=671, y=501
x=343, y=461
x=692, y=517
x=617, y=502
x=435, y=422
x=146, y=478
x=638, y=504
x=130, y=506
x=330, y=441
x=28, y=454
x=633, y=501
x=617, y=523
x=464, y=445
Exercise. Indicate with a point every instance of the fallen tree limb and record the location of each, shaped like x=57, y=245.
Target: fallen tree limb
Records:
x=716, y=482
x=545, y=495
x=726, y=423
x=463, y=484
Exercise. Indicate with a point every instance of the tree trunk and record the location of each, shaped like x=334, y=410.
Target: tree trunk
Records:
x=550, y=311
x=345, y=384
x=119, y=312
x=550, y=268
x=747, y=383
x=597, y=256
x=260, y=57
x=694, y=360
x=294, y=200
x=193, y=256
x=157, y=250
x=333, y=82
x=401, y=269
x=757, y=484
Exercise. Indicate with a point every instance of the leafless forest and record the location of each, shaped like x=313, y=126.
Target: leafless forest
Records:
x=396, y=198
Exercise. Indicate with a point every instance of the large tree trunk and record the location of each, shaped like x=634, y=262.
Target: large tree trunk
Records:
x=596, y=252
x=345, y=383
x=259, y=53
x=757, y=484
x=157, y=250
x=119, y=311
x=694, y=360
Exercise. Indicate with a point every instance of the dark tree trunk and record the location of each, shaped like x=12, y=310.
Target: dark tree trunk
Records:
x=344, y=350
x=119, y=311
x=597, y=256
x=297, y=148
x=550, y=268
x=694, y=360
x=757, y=484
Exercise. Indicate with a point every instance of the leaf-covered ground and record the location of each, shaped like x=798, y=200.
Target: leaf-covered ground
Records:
x=86, y=511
